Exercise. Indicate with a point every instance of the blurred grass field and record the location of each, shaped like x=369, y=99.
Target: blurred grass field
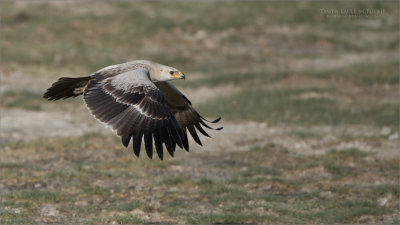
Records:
x=309, y=104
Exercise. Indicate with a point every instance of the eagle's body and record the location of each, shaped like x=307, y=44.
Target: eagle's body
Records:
x=136, y=100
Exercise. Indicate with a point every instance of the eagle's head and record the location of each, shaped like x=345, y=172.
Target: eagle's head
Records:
x=165, y=73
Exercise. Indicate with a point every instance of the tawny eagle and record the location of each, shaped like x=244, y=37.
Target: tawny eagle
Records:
x=137, y=101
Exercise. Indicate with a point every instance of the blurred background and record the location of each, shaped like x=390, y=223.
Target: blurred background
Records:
x=308, y=93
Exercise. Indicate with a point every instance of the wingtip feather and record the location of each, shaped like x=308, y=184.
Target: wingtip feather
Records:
x=213, y=121
x=125, y=141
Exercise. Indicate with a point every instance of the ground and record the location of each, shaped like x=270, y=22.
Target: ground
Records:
x=309, y=105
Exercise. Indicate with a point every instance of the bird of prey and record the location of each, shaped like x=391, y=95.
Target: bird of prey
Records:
x=136, y=100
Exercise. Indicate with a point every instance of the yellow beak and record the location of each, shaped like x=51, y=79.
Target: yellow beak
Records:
x=178, y=75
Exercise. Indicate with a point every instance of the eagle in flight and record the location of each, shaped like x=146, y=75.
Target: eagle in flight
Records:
x=137, y=101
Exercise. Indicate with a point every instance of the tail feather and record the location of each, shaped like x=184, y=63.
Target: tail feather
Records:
x=66, y=87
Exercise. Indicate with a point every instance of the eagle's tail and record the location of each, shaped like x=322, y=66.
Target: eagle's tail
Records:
x=66, y=87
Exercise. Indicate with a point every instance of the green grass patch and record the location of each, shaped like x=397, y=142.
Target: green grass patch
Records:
x=237, y=78
x=64, y=143
x=22, y=99
x=384, y=189
x=15, y=204
x=343, y=211
x=366, y=73
x=95, y=190
x=15, y=218
x=346, y=153
x=14, y=166
x=32, y=101
x=40, y=196
x=282, y=106
x=129, y=206
x=339, y=171
x=228, y=218
x=260, y=171
x=204, y=182
x=173, y=181
x=128, y=219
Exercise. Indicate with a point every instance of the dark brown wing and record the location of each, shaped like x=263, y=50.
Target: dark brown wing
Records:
x=189, y=119
x=133, y=106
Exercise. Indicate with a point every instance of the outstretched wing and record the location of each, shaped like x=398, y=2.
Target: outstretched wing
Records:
x=133, y=106
x=188, y=118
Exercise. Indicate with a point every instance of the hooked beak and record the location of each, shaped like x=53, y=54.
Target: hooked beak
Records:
x=178, y=75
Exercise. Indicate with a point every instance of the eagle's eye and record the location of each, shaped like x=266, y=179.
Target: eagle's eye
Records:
x=171, y=72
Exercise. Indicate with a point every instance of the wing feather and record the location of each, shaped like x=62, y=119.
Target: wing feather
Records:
x=148, y=141
x=137, y=142
x=135, y=108
x=185, y=140
x=188, y=118
x=197, y=125
x=158, y=144
x=168, y=143
x=193, y=132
